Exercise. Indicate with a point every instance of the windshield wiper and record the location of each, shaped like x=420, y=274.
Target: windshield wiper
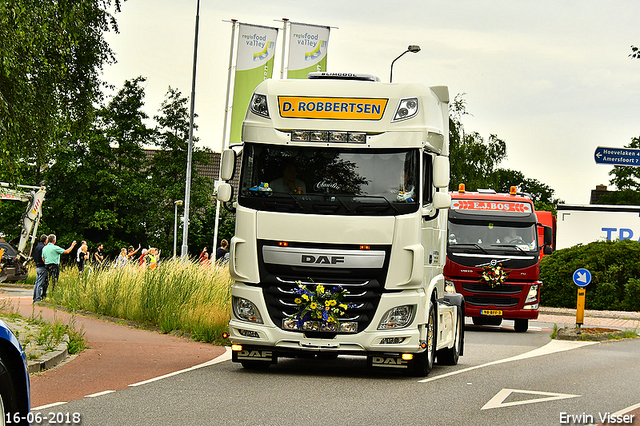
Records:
x=508, y=245
x=478, y=246
x=376, y=197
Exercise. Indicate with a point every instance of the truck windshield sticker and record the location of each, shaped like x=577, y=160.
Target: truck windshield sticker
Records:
x=498, y=206
x=331, y=108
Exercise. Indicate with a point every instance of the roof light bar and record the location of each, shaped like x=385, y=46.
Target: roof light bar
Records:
x=328, y=136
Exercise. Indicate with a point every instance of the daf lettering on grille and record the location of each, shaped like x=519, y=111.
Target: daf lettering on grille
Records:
x=327, y=260
x=323, y=258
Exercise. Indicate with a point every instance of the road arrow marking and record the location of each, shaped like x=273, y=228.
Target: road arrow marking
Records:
x=498, y=400
x=551, y=347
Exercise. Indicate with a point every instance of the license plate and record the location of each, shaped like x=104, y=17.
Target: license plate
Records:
x=490, y=312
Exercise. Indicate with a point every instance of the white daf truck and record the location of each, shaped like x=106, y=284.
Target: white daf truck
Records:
x=341, y=220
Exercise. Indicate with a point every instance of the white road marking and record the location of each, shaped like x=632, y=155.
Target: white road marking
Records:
x=498, y=400
x=44, y=407
x=550, y=348
x=93, y=395
x=224, y=357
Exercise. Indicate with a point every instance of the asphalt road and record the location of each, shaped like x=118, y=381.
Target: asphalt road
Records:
x=490, y=386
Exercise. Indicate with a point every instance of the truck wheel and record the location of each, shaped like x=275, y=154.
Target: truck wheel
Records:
x=521, y=325
x=423, y=362
x=450, y=356
x=255, y=365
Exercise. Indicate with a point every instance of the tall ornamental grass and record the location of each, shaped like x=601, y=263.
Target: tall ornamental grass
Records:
x=178, y=296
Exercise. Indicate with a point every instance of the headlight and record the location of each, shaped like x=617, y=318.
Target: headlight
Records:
x=259, y=105
x=245, y=310
x=407, y=108
x=449, y=287
x=398, y=317
x=533, y=294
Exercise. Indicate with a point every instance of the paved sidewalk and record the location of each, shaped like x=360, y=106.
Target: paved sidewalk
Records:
x=119, y=356
x=609, y=319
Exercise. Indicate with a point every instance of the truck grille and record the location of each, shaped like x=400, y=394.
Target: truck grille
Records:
x=499, y=302
x=364, y=294
x=484, y=288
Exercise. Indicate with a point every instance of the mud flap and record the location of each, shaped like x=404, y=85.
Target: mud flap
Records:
x=387, y=361
x=456, y=299
x=267, y=356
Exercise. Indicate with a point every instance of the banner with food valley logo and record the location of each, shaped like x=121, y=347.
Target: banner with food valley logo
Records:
x=254, y=63
x=307, y=49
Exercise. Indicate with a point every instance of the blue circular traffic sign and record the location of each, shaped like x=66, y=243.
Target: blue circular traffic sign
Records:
x=582, y=277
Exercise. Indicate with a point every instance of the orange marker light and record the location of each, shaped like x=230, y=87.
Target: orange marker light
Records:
x=461, y=188
x=365, y=247
x=513, y=190
x=283, y=244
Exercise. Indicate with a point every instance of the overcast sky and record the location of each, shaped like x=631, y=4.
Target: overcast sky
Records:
x=550, y=77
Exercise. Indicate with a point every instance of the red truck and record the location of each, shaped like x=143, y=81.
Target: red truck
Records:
x=493, y=255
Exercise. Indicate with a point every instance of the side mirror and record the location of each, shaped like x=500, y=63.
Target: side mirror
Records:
x=441, y=172
x=441, y=200
x=227, y=164
x=547, y=250
x=548, y=236
x=225, y=192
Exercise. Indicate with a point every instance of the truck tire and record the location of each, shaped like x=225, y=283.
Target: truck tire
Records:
x=422, y=363
x=450, y=356
x=521, y=325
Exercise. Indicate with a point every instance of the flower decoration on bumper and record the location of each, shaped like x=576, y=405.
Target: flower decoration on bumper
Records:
x=493, y=275
x=322, y=305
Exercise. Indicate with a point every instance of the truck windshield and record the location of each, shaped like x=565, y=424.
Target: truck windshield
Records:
x=485, y=236
x=329, y=180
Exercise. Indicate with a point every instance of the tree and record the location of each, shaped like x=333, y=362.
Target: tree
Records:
x=51, y=56
x=97, y=187
x=472, y=158
x=474, y=162
x=167, y=172
x=627, y=181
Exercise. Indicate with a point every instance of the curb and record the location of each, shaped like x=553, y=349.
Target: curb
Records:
x=49, y=359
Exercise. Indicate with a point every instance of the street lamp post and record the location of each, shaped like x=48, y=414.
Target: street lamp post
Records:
x=175, y=225
x=413, y=48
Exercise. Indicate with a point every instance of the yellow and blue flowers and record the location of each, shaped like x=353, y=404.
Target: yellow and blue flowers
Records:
x=321, y=304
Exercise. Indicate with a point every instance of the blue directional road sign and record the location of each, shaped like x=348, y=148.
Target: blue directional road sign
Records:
x=617, y=156
x=582, y=277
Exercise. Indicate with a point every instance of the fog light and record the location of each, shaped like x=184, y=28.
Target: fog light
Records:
x=392, y=340
x=236, y=348
x=248, y=333
x=407, y=357
x=534, y=306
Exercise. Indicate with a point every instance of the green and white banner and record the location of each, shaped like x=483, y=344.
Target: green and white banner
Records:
x=254, y=63
x=307, y=49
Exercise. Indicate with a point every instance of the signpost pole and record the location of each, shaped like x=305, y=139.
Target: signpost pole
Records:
x=580, y=309
x=581, y=278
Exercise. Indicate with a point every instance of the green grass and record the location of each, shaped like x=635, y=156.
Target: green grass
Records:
x=177, y=297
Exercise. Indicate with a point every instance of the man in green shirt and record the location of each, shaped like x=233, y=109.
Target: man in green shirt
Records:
x=51, y=256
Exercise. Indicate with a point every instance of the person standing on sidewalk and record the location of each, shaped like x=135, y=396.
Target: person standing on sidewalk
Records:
x=51, y=255
x=41, y=270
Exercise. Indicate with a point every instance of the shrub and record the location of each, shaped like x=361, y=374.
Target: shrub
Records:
x=615, y=275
